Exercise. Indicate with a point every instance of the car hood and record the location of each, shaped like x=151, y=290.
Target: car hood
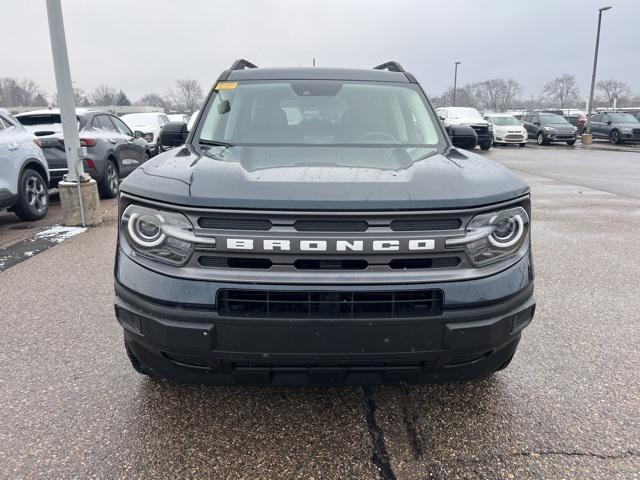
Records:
x=560, y=127
x=329, y=178
x=467, y=121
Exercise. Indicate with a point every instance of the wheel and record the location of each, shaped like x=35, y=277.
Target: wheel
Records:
x=571, y=142
x=485, y=146
x=33, y=196
x=615, y=137
x=540, y=139
x=109, y=184
x=522, y=145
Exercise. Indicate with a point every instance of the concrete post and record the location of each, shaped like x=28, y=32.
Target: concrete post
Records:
x=81, y=209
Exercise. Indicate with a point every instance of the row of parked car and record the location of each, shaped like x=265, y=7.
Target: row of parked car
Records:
x=544, y=127
x=33, y=157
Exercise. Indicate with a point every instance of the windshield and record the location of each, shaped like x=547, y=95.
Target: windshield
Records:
x=461, y=112
x=552, y=120
x=140, y=119
x=505, y=121
x=623, y=118
x=319, y=112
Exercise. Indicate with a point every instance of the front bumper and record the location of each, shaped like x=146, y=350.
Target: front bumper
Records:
x=509, y=138
x=173, y=328
x=560, y=137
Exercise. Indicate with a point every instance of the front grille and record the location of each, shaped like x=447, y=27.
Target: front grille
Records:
x=261, y=244
x=426, y=225
x=331, y=226
x=210, y=261
x=513, y=137
x=482, y=129
x=231, y=262
x=234, y=223
x=331, y=304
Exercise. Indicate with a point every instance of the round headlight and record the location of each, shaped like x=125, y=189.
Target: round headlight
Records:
x=507, y=231
x=146, y=229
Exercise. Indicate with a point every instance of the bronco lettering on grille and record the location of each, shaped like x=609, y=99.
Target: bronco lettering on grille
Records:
x=286, y=245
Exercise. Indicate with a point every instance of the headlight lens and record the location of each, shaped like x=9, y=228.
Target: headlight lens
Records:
x=157, y=234
x=491, y=237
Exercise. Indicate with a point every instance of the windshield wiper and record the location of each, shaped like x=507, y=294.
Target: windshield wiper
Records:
x=214, y=143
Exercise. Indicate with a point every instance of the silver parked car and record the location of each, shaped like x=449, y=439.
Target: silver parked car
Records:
x=24, y=175
x=113, y=149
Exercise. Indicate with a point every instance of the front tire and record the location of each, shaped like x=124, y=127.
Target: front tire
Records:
x=485, y=146
x=109, y=184
x=33, y=196
x=540, y=139
x=615, y=137
x=522, y=145
x=571, y=142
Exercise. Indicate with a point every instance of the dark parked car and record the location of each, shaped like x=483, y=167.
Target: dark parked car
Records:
x=548, y=127
x=113, y=150
x=318, y=225
x=617, y=127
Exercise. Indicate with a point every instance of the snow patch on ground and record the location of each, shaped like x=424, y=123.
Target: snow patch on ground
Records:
x=60, y=233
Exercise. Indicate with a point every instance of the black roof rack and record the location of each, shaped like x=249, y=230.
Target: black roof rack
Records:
x=391, y=66
x=241, y=64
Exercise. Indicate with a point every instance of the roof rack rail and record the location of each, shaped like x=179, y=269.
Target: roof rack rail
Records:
x=241, y=64
x=391, y=66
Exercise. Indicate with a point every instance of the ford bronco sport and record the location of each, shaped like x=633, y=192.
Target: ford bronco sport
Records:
x=318, y=226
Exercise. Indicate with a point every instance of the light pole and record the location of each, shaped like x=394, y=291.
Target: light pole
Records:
x=78, y=192
x=587, y=138
x=455, y=82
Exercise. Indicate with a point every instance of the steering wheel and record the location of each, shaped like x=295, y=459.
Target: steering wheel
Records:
x=379, y=135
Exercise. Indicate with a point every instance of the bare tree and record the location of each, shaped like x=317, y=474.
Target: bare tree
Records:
x=187, y=96
x=20, y=93
x=496, y=94
x=614, y=89
x=464, y=98
x=103, y=95
x=122, y=99
x=153, y=100
x=562, y=89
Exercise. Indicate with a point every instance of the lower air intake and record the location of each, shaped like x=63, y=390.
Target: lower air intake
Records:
x=329, y=304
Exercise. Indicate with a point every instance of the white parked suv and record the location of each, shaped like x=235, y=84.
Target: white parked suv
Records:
x=24, y=174
x=150, y=125
x=471, y=117
x=507, y=129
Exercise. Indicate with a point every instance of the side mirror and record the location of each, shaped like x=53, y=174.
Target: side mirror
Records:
x=462, y=136
x=441, y=117
x=608, y=122
x=138, y=134
x=536, y=123
x=173, y=134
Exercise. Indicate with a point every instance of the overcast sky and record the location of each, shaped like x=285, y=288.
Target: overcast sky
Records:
x=142, y=46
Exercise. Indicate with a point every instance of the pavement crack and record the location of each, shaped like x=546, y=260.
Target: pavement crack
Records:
x=379, y=456
x=409, y=422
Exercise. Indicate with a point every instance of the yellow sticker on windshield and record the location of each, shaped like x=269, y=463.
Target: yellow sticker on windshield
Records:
x=226, y=85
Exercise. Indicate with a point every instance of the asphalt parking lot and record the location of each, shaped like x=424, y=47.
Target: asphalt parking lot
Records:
x=567, y=407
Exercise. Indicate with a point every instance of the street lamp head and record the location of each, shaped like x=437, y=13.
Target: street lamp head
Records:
x=458, y=63
x=604, y=9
